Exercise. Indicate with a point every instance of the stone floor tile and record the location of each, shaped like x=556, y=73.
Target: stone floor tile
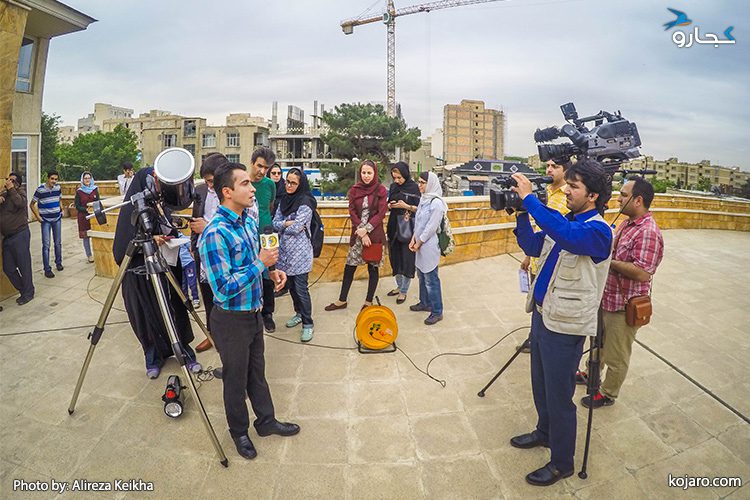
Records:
x=383, y=481
x=381, y=440
x=464, y=477
x=635, y=443
x=321, y=441
x=676, y=429
x=312, y=481
x=423, y=396
x=443, y=436
x=372, y=399
x=321, y=400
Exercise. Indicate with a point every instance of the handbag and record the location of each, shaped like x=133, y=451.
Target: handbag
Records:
x=404, y=228
x=373, y=253
x=638, y=310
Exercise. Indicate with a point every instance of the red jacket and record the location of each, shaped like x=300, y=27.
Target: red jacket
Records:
x=378, y=205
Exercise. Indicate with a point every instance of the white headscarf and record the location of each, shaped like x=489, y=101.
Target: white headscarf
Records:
x=433, y=190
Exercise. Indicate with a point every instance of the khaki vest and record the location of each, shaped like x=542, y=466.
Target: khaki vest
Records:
x=575, y=290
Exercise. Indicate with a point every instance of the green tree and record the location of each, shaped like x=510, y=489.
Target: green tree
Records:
x=101, y=153
x=362, y=131
x=661, y=185
x=49, y=127
x=704, y=184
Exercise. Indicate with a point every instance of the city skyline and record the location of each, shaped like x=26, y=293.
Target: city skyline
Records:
x=516, y=56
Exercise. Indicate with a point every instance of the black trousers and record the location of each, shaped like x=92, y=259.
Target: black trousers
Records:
x=208, y=301
x=372, y=282
x=17, y=261
x=269, y=298
x=239, y=339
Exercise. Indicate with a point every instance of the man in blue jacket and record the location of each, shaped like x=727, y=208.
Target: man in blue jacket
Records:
x=574, y=253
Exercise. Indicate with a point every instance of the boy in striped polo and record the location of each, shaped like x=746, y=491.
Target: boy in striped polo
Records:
x=45, y=205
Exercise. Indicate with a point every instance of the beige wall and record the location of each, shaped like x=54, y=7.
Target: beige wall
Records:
x=470, y=130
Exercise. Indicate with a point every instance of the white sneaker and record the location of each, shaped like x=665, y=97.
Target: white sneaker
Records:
x=90, y=258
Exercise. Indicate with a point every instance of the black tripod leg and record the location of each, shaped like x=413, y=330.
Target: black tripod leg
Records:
x=99, y=328
x=519, y=350
x=161, y=298
x=188, y=305
x=592, y=388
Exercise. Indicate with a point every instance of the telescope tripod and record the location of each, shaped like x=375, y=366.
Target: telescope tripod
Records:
x=154, y=267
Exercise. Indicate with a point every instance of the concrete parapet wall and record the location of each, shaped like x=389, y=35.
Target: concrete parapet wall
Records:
x=479, y=231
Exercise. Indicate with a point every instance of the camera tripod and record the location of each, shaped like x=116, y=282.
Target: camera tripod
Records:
x=155, y=267
x=592, y=383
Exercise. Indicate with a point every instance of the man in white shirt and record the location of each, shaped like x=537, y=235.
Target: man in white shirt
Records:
x=125, y=178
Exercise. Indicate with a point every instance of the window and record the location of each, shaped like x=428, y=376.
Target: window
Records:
x=25, y=63
x=209, y=140
x=190, y=148
x=19, y=147
x=233, y=140
x=188, y=128
x=233, y=158
x=170, y=140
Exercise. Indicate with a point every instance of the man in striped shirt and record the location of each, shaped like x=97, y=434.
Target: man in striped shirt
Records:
x=45, y=205
x=638, y=251
x=234, y=267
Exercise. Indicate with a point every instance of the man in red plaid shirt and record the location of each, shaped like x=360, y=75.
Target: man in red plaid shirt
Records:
x=638, y=250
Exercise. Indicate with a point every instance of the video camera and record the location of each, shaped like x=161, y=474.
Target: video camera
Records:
x=508, y=200
x=612, y=141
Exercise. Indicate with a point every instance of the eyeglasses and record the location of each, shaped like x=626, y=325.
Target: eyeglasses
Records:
x=292, y=183
x=275, y=173
x=422, y=181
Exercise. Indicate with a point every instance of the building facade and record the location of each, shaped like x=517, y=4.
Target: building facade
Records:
x=26, y=28
x=102, y=111
x=687, y=175
x=472, y=131
x=158, y=130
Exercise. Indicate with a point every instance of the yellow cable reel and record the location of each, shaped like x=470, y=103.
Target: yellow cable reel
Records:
x=376, y=328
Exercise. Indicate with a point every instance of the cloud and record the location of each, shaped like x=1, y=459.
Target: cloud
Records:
x=526, y=57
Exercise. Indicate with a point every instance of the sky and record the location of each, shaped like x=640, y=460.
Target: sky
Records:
x=526, y=57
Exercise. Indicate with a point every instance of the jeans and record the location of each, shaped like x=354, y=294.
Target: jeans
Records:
x=87, y=246
x=429, y=291
x=56, y=229
x=189, y=283
x=554, y=360
x=301, y=298
x=402, y=283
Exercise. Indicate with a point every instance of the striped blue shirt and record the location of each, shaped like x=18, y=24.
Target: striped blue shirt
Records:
x=48, y=201
x=229, y=249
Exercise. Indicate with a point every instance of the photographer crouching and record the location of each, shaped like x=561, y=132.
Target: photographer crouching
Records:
x=574, y=256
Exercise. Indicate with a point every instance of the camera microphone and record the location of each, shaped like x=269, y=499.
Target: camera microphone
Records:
x=269, y=240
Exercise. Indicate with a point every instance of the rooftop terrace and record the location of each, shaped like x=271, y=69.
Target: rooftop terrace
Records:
x=372, y=425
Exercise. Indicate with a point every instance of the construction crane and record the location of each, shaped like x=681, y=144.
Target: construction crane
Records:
x=389, y=19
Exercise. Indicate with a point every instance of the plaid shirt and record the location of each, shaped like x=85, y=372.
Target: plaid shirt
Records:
x=640, y=242
x=229, y=249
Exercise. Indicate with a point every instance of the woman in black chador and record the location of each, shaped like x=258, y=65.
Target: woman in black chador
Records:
x=403, y=200
x=138, y=292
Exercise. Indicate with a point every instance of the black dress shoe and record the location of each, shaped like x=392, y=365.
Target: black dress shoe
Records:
x=276, y=427
x=23, y=300
x=59, y=267
x=245, y=447
x=546, y=476
x=269, y=324
x=530, y=440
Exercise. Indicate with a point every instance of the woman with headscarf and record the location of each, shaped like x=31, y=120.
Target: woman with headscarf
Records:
x=276, y=175
x=368, y=202
x=424, y=243
x=403, y=200
x=292, y=222
x=86, y=193
x=138, y=292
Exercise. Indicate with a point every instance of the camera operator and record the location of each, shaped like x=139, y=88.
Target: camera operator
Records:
x=229, y=250
x=555, y=199
x=574, y=254
x=637, y=252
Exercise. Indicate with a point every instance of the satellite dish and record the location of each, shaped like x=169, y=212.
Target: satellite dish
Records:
x=174, y=169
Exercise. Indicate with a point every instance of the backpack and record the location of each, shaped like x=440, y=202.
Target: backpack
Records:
x=316, y=233
x=446, y=241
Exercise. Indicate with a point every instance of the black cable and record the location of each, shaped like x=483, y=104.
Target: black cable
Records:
x=694, y=382
x=337, y=348
x=60, y=329
x=343, y=232
x=88, y=292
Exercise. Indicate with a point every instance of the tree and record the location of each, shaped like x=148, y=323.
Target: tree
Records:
x=362, y=131
x=661, y=185
x=704, y=184
x=49, y=127
x=101, y=153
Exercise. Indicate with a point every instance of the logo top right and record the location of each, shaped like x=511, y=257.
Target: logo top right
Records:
x=686, y=40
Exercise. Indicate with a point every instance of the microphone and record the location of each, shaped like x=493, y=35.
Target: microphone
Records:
x=269, y=240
